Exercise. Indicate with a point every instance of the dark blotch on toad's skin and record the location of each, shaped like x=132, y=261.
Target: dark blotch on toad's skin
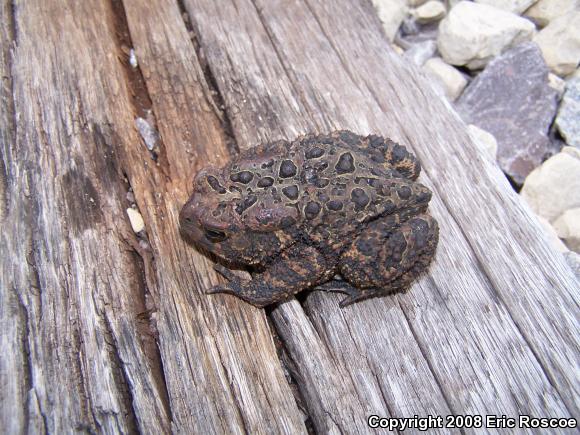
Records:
x=304, y=211
x=312, y=209
x=314, y=153
x=291, y=192
x=334, y=205
x=345, y=164
x=265, y=182
x=287, y=169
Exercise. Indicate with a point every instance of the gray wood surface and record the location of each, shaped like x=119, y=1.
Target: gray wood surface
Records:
x=105, y=331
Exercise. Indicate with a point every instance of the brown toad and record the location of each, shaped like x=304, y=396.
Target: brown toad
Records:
x=301, y=212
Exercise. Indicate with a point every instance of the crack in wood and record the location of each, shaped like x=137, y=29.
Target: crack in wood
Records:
x=139, y=94
x=122, y=382
x=9, y=133
x=11, y=23
x=210, y=87
x=143, y=261
x=27, y=384
x=145, y=267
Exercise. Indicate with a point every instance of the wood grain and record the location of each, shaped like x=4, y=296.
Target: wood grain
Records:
x=106, y=331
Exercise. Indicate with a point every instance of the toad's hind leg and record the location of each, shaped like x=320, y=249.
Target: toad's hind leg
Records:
x=392, y=155
x=381, y=260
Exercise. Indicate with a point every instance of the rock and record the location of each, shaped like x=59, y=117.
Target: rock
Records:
x=573, y=260
x=515, y=6
x=560, y=43
x=413, y=33
x=550, y=231
x=419, y=53
x=568, y=119
x=545, y=11
x=450, y=79
x=430, y=11
x=568, y=228
x=512, y=100
x=415, y=3
x=472, y=34
x=133, y=59
x=397, y=49
x=485, y=140
x=391, y=13
x=136, y=220
x=147, y=132
x=554, y=187
x=410, y=26
x=557, y=84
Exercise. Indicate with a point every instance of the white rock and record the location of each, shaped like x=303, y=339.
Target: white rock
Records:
x=571, y=151
x=515, y=6
x=472, y=34
x=554, y=187
x=415, y=3
x=550, y=231
x=545, y=11
x=399, y=50
x=449, y=77
x=568, y=228
x=133, y=59
x=136, y=220
x=391, y=13
x=556, y=83
x=560, y=43
x=433, y=10
x=485, y=140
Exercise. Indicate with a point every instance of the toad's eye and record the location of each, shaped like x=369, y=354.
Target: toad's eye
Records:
x=215, y=235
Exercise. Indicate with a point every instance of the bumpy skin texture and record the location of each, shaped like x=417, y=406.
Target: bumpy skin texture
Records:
x=302, y=212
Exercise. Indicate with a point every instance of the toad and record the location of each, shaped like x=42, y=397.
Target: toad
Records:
x=337, y=212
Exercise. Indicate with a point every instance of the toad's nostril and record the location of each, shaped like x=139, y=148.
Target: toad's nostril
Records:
x=186, y=216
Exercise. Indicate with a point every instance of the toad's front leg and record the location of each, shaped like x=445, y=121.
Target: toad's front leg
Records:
x=297, y=269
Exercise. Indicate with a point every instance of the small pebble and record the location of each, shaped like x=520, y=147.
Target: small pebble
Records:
x=430, y=11
x=136, y=220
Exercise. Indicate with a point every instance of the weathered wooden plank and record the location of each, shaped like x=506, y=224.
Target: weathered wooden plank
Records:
x=310, y=69
x=82, y=298
x=69, y=274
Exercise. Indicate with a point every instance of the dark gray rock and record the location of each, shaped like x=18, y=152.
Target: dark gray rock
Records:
x=568, y=120
x=512, y=100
